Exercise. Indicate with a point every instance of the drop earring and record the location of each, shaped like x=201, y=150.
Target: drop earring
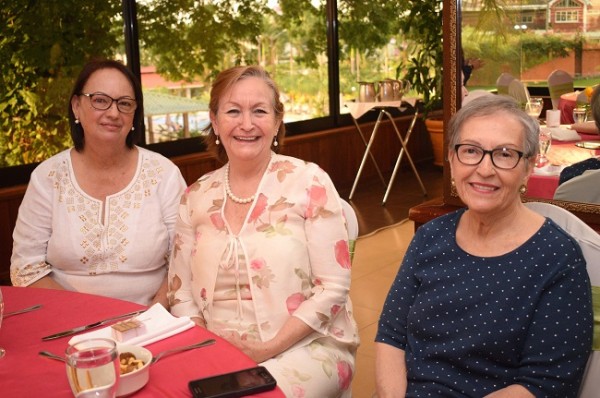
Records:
x=275, y=143
x=217, y=141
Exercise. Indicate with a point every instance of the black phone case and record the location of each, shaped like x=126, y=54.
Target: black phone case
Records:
x=198, y=390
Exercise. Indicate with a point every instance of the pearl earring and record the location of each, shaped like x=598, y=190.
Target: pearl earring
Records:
x=132, y=128
x=217, y=141
x=76, y=121
x=523, y=189
x=275, y=143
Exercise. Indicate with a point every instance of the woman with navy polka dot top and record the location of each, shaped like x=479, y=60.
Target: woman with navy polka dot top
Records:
x=492, y=300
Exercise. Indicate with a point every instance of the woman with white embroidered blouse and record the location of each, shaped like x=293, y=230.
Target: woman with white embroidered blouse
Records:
x=99, y=218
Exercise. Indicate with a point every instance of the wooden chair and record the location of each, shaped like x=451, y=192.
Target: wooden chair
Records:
x=559, y=83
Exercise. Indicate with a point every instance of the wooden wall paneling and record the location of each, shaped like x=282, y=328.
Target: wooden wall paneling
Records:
x=338, y=151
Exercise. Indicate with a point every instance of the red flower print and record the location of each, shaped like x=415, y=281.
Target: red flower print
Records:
x=342, y=254
x=335, y=309
x=217, y=221
x=317, y=198
x=259, y=209
x=293, y=302
x=298, y=391
x=344, y=375
x=257, y=264
x=203, y=293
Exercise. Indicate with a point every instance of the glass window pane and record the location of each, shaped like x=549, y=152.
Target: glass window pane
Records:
x=371, y=48
x=185, y=44
x=529, y=39
x=43, y=46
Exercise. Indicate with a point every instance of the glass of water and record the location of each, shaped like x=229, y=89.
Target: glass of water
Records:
x=93, y=368
x=545, y=139
x=579, y=115
x=534, y=107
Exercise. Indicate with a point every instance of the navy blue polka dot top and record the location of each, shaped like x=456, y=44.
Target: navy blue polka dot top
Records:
x=472, y=325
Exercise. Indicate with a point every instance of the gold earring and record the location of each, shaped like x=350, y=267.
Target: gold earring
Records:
x=453, y=191
x=523, y=189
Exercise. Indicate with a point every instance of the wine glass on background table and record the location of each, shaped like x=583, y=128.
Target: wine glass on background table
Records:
x=579, y=115
x=2, y=351
x=545, y=139
x=534, y=107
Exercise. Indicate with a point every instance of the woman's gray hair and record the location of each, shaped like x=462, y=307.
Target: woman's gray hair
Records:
x=490, y=105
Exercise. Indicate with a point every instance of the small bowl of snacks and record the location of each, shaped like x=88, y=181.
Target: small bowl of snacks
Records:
x=134, y=364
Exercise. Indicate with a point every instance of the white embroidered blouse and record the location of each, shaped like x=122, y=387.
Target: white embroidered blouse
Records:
x=60, y=230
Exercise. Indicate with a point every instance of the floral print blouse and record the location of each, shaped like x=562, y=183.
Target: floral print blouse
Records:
x=293, y=245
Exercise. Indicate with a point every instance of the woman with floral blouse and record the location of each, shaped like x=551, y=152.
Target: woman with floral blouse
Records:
x=261, y=249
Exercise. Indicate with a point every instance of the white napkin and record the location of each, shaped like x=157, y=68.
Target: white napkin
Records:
x=159, y=324
x=563, y=134
x=548, y=170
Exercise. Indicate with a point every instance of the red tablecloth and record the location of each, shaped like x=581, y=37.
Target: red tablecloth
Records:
x=561, y=153
x=23, y=373
x=566, y=104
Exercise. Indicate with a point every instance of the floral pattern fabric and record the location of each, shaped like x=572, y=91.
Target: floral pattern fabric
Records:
x=293, y=247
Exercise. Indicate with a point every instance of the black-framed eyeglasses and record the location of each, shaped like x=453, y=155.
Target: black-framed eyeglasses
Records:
x=103, y=102
x=502, y=158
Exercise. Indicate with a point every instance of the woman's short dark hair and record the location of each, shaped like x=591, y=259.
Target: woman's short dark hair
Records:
x=222, y=84
x=77, y=133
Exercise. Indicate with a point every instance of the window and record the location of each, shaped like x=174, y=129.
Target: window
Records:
x=566, y=16
x=524, y=19
x=177, y=48
x=567, y=4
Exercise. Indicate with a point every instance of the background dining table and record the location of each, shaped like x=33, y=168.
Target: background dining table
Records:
x=24, y=373
x=542, y=184
x=566, y=103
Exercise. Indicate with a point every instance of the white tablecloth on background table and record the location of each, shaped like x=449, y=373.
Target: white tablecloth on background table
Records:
x=357, y=109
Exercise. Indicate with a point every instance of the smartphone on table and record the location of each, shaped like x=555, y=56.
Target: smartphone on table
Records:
x=235, y=384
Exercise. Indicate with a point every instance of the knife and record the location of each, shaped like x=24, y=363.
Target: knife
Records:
x=90, y=326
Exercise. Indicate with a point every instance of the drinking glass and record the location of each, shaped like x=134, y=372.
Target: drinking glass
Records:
x=545, y=139
x=579, y=115
x=93, y=368
x=534, y=107
x=2, y=351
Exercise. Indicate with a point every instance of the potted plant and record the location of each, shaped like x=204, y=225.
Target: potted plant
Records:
x=421, y=26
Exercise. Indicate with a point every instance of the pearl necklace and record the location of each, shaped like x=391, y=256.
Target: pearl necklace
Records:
x=230, y=194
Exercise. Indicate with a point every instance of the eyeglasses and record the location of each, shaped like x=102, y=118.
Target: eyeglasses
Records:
x=103, y=102
x=502, y=158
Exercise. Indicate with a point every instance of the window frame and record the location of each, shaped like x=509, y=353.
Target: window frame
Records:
x=19, y=175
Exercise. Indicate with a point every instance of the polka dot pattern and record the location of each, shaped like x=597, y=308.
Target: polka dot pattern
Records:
x=472, y=325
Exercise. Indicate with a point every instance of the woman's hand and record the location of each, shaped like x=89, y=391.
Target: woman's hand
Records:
x=293, y=331
x=258, y=351
x=512, y=391
x=47, y=283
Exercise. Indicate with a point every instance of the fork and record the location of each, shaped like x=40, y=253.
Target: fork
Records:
x=184, y=348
